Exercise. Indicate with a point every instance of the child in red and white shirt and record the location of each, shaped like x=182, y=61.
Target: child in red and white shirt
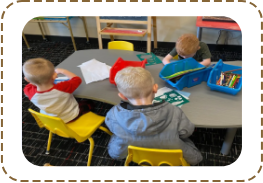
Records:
x=53, y=99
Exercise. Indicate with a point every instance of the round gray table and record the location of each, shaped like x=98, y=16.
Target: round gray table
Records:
x=207, y=109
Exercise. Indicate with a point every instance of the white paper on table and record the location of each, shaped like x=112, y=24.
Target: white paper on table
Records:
x=94, y=70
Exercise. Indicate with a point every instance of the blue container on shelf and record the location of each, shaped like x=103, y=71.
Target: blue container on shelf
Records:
x=215, y=75
x=188, y=80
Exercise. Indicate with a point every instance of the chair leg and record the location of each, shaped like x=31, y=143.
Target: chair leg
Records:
x=184, y=163
x=49, y=142
x=105, y=130
x=128, y=160
x=91, y=141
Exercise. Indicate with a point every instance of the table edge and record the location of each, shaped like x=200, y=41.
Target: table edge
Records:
x=92, y=98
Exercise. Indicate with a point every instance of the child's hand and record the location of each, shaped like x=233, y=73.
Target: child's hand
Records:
x=65, y=72
x=166, y=59
x=60, y=71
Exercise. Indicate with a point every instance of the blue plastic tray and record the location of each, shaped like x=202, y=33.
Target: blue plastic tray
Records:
x=215, y=75
x=188, y=80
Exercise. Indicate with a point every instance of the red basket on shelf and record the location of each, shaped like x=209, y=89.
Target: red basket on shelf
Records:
x=121, y=64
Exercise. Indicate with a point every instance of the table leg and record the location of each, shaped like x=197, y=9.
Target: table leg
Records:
x=199, y=33
x=71, y=34
x=230, y=134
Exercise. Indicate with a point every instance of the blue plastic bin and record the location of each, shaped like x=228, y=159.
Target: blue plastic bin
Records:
x=215, y=75
x=188, y=80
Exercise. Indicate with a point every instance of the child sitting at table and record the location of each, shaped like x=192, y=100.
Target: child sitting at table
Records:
x=53, y=99
x=139, y=122
x=187, y=46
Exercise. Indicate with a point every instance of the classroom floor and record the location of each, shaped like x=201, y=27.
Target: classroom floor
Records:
x=67, y=152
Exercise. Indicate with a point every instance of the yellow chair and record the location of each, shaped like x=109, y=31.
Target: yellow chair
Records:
x=176, y=57
x=155, y=157
x=81, y=129
x=120, y=45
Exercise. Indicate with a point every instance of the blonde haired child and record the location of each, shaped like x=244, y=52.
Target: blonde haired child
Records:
x=52, y=99
x=139, y=122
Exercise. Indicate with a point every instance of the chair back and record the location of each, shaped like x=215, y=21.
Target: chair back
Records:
x=155, y=157
x=176, y=57
x=53, y=124
x=120, y=45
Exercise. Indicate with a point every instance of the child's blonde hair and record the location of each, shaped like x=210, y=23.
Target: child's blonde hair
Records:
x=134, y=82
x=187, y=44
x=38, y=70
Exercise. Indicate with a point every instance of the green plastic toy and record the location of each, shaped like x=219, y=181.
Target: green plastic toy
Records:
x=152, y=59
x=172, y=97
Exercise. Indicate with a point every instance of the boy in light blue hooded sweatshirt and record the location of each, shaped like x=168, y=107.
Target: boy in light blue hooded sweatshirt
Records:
x=139, y=122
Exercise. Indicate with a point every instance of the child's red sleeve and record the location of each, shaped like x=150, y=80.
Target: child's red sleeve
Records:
x=69, y=86
x=30, y=90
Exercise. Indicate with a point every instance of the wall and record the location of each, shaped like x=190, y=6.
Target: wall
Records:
x=168, y=30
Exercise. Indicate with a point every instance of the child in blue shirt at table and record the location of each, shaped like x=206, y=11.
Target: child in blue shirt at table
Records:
x=139, y=122
x=187, y=46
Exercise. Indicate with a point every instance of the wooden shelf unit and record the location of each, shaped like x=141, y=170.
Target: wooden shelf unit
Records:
x=123, y=31
x=108, y=30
